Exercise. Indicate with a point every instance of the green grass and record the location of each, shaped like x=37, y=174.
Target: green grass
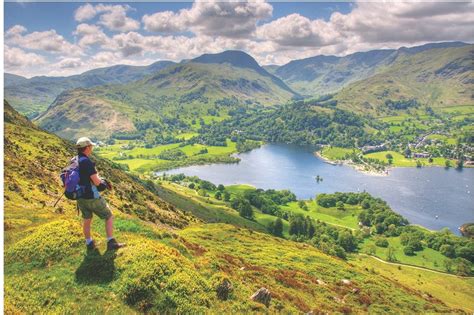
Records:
x=399, y=160
x=144, y=161
x=452, y=290
x=428, y=258
x=207, y=209
x=336, y=153
x=345, y=218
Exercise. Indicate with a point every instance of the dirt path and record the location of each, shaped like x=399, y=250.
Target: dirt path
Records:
x=416, y=267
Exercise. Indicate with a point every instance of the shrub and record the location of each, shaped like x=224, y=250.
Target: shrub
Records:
x=381, y=242
x=155, y=278
x=49, y=242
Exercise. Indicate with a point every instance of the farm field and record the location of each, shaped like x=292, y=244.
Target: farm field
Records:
x=141, y=159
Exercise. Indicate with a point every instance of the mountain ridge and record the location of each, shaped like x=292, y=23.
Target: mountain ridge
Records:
x=324, y=74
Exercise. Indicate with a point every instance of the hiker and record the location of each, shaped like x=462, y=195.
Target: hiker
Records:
x=90, y=201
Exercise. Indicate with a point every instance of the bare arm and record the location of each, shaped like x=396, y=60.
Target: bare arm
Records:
x=95, y=179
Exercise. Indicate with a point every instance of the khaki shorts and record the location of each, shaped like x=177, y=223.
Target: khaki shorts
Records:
x=99, y=207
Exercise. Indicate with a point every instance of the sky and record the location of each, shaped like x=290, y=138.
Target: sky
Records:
x=59, y=39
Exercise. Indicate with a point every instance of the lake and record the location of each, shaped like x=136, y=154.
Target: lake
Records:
x=433, y=197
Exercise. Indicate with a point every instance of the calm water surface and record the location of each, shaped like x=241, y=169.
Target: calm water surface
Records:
x=418, y=194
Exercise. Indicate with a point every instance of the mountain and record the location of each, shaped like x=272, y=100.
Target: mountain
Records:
x=13, y=79
x=322, y=75
x=169, y=265
x=171, y=98
x=436, y=77
x=240, y=59
x=32, y=96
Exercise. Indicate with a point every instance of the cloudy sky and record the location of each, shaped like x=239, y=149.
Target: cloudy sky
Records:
x=70, y=38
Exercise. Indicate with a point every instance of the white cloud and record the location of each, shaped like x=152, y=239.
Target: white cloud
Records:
x=212, y=18
x=85, y=12
x=48, y=41
x=114, y=17
x=297, y=30
x=166, y=21
x=16, y=58
x=373, y=25
x=70, y=63
x=90, y=34
x=15, y=31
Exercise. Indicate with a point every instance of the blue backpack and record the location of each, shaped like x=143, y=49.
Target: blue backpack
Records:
x=70, y=178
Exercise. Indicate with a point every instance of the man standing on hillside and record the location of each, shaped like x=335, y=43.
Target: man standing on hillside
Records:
x=91, y=202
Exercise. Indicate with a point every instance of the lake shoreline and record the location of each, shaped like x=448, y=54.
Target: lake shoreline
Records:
x=357, y=167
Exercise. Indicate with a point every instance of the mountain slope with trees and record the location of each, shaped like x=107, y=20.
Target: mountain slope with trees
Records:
x=170, y=99
x=32, y=96
x=322, y=74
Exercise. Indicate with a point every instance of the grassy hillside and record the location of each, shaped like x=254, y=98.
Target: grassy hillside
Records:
x=162, y=270
x=166, y=101
x=33, y=96
x=391, y=68
x=33, y=161
x=436, y=78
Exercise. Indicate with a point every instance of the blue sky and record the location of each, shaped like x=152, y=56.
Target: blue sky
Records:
x=69, y=38
x=41, y=16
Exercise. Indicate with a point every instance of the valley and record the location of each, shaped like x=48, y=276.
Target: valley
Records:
x=217, y=181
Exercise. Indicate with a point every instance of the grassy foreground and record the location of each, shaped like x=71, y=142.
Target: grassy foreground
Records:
x=173, y=263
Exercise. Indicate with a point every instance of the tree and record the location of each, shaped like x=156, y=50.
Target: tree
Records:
x=448, y=265
x=220, y=187
x=347, y=241
x=226, y=196
x=463, y=267
x=371, y=249
x=407, y=152
x=218, y=195
x=447, y=163
x=365, y=204
x=391, y=254
x=192, y=185
x=245, y=209
x=409, y=250
x=447, y=250
x=276, y=227
x=301, y=204
x=381, y=242
x=340, y=205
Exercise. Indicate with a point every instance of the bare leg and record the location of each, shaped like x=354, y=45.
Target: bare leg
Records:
x=86, y=227
x=109, y=227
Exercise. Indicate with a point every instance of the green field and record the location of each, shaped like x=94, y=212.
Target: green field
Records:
x=145, y=160
x=399, y=160
x=336, y=153
x=344, y=218
x=455, y=291
x=428, y=258
x=209, y=209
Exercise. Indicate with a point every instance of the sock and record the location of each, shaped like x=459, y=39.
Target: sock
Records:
x=109, y=238
x=88, y=241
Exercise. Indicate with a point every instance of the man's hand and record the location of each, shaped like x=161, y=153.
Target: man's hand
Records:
x=108, y=184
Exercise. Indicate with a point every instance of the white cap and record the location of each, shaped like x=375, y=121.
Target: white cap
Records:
x=84, y=142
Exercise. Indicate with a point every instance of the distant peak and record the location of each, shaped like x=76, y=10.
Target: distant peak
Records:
x=235, y=58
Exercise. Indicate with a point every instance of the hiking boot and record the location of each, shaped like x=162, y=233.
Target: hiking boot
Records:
x=113, y=245
x=91, y=246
